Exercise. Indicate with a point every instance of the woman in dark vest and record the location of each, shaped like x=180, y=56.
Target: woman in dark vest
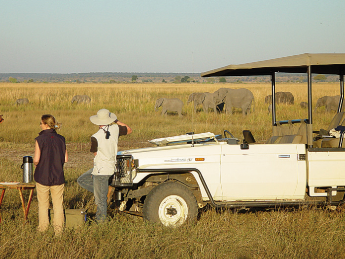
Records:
x=49, y=158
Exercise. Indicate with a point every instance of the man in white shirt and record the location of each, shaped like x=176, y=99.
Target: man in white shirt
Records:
x=104, y=146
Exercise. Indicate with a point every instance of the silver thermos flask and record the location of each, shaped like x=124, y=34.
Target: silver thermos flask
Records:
x=28, y=167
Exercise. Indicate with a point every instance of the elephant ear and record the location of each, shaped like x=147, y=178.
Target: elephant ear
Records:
x=160, y=102
x=190, y=98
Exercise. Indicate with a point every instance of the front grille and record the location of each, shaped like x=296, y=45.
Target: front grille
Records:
x=125, y=171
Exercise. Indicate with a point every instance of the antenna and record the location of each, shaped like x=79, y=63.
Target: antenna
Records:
x=193, y=105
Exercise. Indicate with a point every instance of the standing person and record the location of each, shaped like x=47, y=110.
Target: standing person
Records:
x=49, y=158
x=104, y=146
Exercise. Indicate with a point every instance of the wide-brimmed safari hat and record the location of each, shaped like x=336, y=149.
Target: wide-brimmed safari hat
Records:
x=103, y=117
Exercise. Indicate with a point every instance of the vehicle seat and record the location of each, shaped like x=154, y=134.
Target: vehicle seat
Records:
x=293, y=139
x=337, y=120
x=328, y=142
x=289, y=133
x=277, y=134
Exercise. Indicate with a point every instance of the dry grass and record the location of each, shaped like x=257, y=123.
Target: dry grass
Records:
x=134, y=105
x=262, y=234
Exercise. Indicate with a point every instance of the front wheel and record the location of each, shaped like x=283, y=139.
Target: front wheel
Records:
x=171, y=204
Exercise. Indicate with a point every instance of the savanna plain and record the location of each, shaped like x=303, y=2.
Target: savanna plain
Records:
x=280, y=233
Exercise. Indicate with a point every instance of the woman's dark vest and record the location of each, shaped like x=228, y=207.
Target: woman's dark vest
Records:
x=49, y=170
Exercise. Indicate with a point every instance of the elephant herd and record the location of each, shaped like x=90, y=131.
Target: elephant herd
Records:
x=227, y=98
x=329, y=102
x=223, y=98
x=76, y=99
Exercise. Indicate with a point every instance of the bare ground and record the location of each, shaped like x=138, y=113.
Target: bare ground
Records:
x=78, y=153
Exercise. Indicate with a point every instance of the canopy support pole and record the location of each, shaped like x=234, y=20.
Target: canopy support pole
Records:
x=310, y=112
x=341, y=101
x=273, y=81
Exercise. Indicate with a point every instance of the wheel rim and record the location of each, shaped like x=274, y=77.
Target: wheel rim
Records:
x=173, y=211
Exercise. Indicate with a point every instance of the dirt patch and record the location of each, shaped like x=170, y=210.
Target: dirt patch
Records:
x=78, y=153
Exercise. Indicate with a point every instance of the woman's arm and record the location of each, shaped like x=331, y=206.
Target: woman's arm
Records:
x=37, y=154
x=66, y=157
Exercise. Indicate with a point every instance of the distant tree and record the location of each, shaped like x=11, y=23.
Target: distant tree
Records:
x=177, y=79
x=163, y=81
x=112, y=81
x=30, y=81
x=185, y=79
x=134, y=78
x=222, y=80
x=320, y=77
x=302, y=79
x=12, y=80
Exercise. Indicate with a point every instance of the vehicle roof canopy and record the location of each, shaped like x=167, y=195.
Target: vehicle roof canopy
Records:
x=325, y=63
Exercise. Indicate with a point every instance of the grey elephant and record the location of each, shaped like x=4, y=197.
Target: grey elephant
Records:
x=81, y=99
x=204, y=99
x=330, y=102
x=218, y=98
x=281, y=97
x=270, y=108
x=169, y=104
x=196, y=98
x=219, y=95
x=234, y=98
x=22, y=101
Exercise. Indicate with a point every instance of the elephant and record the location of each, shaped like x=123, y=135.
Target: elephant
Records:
x=237, y=98
x=169, y=104
x=209, y=103
x=197, y=98
x=281, y=97
x=330, y=102
x=206, y=99
x=81, y=99
x=219, y=95
x=270, y=108
x=22, y=101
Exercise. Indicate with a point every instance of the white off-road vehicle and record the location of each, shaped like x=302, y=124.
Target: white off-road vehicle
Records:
x=172, y=180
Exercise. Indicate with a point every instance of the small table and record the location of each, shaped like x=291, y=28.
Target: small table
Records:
x=20, y=187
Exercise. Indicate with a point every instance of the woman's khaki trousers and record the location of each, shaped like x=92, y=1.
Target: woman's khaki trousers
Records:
x=43, y=206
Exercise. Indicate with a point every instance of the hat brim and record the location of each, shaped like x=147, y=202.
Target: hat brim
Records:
x=95, y=120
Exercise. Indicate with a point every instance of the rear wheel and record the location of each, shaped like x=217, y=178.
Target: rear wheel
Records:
x=171, y=204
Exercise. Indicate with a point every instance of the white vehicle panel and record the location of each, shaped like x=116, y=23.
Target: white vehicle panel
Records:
x=326, y=169
x=205, y=158
x=263, y=172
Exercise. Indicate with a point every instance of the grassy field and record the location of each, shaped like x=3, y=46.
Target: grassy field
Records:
x=299, y=233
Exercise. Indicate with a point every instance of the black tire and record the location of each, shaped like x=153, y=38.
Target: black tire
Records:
x=171, y=204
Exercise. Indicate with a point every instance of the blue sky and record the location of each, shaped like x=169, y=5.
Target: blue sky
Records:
x=79, y=36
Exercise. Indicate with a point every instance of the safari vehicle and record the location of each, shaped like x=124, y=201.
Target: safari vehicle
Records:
x=298, y=165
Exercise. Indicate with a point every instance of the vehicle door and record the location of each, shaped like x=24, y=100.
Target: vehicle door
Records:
x=263, y=172
x=326, y=168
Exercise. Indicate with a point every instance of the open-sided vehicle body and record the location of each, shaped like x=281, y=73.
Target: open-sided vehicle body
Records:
x=169, y=182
